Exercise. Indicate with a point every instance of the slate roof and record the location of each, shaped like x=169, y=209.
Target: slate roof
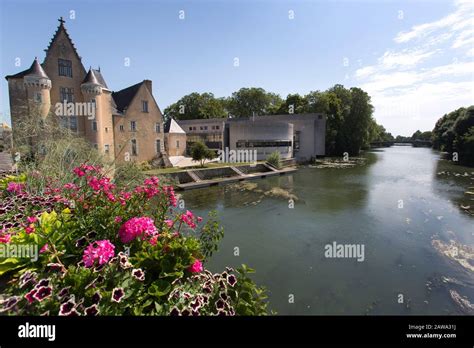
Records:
x=124, y=97
x=34, y=70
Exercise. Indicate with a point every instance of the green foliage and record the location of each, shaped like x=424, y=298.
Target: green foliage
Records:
x=200, y=152
x=136, y=275
x=247, y=102
x=196, y=106
x=453, y=133
x=274, y=159
x=210, y=236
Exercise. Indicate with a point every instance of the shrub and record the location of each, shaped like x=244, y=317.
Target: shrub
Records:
x=200, y=152
x=108, y=250
x=274, y=159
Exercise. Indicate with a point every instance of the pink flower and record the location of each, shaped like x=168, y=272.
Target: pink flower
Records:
x=196, y=267
x=15, y=187
x=44, y=248
x=135, y=227
x=154, y=239
x=118, y=219
x=169, y=190
x=79, y=172
x=5, y=238
x=31, y=219
x=101, y=250
x=30, y=229
x=70, y=186
x=188, y=219
x=170, y=223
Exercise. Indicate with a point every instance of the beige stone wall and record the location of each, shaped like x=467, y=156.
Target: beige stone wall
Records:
x=62, y=48
x=18, y=101
x=145, y=134
x=176, y=144
x=104, y=135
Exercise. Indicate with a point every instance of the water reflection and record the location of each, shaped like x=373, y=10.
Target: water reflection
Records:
x=395, y=205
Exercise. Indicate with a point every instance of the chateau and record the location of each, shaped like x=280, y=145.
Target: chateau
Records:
x=124, y=125
x=127, y=125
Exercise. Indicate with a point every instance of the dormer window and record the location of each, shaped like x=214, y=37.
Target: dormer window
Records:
x=64, y=67
x=157, y=127
x=144, y=105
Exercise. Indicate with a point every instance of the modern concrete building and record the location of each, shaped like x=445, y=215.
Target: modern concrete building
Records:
x=299, y=136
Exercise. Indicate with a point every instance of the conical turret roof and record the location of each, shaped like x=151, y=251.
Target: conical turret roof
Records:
x=91, y=78
x=34, y=70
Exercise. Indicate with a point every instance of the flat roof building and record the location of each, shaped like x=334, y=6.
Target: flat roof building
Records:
x=299, y=136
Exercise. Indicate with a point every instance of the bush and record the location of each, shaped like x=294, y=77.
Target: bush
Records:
x=112, y=250
x=274, y=159
x=200, y=152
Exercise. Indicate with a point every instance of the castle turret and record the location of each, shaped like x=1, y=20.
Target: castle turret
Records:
x=38, y=86
x=99, y=125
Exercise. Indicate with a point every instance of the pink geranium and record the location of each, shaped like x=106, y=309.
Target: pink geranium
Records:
x=15, y=187
x=135, y=227
x=102, y=251
x=196, y=267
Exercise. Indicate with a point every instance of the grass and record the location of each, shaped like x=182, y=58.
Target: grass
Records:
x=212, y=165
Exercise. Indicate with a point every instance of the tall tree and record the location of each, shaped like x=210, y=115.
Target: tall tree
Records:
x=196, y=105
x=253, y=101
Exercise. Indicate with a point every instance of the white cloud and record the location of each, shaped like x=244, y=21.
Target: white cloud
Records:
x=428, y=73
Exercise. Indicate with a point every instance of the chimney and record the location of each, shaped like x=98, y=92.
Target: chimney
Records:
x=148, y=85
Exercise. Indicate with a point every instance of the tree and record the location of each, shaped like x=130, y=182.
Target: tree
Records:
x=454, y=132
x=200, y=152
x=196, y=106
x=293, y=104
x=247, y=102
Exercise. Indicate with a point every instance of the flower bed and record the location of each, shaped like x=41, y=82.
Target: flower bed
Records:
x=108, y=250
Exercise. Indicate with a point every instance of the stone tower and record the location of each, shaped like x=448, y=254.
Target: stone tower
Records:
x=38, y=86
x=99, y=128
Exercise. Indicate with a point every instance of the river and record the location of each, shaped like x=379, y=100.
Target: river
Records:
x=394, y=205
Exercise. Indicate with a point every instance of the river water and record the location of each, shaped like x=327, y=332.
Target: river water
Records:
x=394, y=205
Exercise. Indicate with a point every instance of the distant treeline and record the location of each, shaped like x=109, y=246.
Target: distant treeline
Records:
x=350, y=125
x=454, y=133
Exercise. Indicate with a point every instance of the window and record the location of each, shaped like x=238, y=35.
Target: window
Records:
x=157, y=127
x=190, y=128
x=133, y=126
x=38, y=97
x=121, y=128
x=205, y=127
x=213, y=127
x=106, y=148
x=66, y=94
x=106, y=129
x=65, y=67
x=177, y=144
x=201, y=128
x=217, y=127
x=263, y=143
x=67, y=121
x=134, y=147
x=158, y=145
x=94, y=126
x=144, y=105
x=96, y=146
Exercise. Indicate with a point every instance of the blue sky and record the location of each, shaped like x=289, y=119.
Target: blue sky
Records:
x=415, y=58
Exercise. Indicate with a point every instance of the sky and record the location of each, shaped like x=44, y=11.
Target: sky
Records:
x=415, y=58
